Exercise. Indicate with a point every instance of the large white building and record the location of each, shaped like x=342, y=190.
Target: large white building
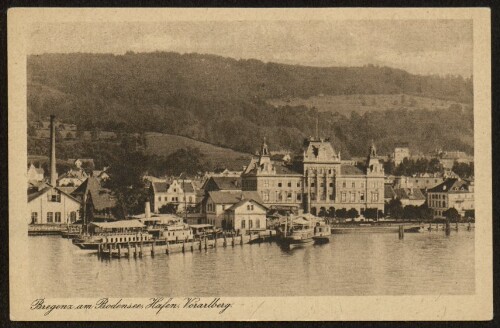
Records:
x=452, y=193
x=50, y=205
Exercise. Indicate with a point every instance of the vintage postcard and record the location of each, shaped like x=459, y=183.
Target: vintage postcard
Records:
x=250, y=164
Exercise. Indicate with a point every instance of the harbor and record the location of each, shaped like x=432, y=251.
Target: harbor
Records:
x=350, y=264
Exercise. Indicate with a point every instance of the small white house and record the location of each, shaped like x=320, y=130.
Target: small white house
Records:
x=50, y=205
x=246, y=215
x=35, y=173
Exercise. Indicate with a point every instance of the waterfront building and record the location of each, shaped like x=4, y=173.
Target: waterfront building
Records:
x=317, y=181
x=246, y=215
x=410, y=196
x=452, y=193
x=50, y=205
x=217, y=202
x=278, y=184
x=74, y=177
x=98, y=203
x=180, y=193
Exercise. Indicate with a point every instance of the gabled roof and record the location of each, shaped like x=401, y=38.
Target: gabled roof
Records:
x=389, y=192
x=226, y=183
x=350, y=170
x=222, y=197
x=102, y=198
x=45, y=189
x=160, y=186
x=409, y=193
x=451, y=185
x=245, y=200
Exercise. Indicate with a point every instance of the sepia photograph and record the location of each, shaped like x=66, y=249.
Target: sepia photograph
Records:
x=250, y=164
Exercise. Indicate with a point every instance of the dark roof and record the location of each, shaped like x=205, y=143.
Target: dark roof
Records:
x=222, y=197
x=409, y=193
x=452, y=184
x=350, y=170
x=187, y=186
x=227, y=183
x=160, y=186
x=102, y=198
x=389, y=192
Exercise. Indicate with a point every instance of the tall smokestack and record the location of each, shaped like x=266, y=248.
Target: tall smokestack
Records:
x=53, y=172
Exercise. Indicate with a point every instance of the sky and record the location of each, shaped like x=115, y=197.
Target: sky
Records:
x=417, y=46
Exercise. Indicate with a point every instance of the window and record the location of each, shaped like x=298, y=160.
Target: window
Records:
x=164, y=198
x=313, y=196
x=332, y=196
x=50, y=217
x=298, y=184
x=265, y=196
x=257, y=223
x=322, y=184
x=362, y=196
x=248, y=207
x=190, y=199
x=279, y=184
x=266, y=183
x=56, y=197
x=353, y=197
x=289, y=183
x=58, y=217
x=159, y=198
x=34, y=217
x=331, y=184
x=251, y=207
x=330, y=171
x=353, y=185
x=375, y=197
x=344, y=184
x=299, y=196
x=250, y=224
x=289, y=196
x=312, y=184
x=243, y=224
x=343, y=197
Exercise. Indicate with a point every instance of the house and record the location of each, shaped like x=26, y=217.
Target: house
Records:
x=389, y=193
x=72, y=178
x=246, y=215
x=98, y=203
x=400, y=153
x=180, y=193
x=50, y=205
x=35, y=173
x=317, y=180
x=452, y=193
x=409, y=196
x=222, y=183
x=216, y=203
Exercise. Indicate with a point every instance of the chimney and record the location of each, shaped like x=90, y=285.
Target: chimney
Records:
x=147, y=210
x=53, y=172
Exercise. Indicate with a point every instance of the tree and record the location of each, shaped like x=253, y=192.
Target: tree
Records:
x=410, y=212
x=370, y=213
x=352, y=213
x=471, y=214
x=452, y=214
x=395, y=209
x=169, y=208
x=322, y=212
x=331, y=212
x=341, y=213
x=425, y=213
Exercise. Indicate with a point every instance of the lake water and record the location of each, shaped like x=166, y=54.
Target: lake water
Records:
x=351, y=264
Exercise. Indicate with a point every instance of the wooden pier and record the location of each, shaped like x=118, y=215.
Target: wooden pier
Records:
x=152, y=248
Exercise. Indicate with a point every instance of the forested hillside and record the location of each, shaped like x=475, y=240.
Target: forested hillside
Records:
x=225, y=101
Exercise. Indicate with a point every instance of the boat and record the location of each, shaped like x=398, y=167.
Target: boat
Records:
x=299, y=231
x=167, y=228
x=417, y=229
x=322, y=233
x=116, y=232
x=72, y=231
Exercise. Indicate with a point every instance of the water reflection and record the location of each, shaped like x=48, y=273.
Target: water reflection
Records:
x=365, y=264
